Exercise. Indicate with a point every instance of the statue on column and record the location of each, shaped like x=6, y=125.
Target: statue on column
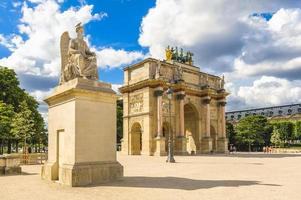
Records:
x=76, y=58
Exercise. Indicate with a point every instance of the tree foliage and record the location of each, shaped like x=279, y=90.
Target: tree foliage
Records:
x=10, y=92
x=253, y=130
x=119, y=120
x=230, y=132
x=297, y=130
x=19, y=115
x=285, y=131
x=22, y=123
x=275, y=139
x=6, y=115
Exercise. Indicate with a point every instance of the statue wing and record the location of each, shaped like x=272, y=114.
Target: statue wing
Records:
x=64, y=44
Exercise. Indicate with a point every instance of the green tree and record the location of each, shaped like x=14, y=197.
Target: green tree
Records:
x=119, y=120
x=285, y=130
x=275, y=139
x=38, y=130
x=6, y=116
x=23, y=124
x=297, y=131
x=230, y=132
x=252, y=130
x=10, y=92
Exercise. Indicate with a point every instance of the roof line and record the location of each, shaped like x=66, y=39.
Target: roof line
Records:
x=264, y=108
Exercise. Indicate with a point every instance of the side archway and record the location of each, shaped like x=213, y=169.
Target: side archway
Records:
x=136, y=139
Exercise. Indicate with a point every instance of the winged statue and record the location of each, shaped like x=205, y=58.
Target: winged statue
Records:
x=76, y=58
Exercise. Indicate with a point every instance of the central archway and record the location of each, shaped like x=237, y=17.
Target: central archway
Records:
x=136, y=139
x=191, y=128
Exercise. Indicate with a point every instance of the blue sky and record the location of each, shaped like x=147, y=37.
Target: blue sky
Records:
x=255, y=44
x=120, y=29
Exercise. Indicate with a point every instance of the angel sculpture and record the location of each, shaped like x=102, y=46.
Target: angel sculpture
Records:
x=76, y=58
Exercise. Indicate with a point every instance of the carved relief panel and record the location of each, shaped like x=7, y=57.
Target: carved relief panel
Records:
x=213, y=110
x=136, y=103
x=166, y=71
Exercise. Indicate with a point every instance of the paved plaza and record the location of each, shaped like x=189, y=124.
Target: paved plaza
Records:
x=239, y=176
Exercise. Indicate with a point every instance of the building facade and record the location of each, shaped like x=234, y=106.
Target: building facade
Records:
x=196, y=118
x=290, y=112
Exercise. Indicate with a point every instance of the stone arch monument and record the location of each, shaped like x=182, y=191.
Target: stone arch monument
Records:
x=198, y=105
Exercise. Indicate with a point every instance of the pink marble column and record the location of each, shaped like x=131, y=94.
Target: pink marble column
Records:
x=206, y=101
x=180, y=97
x=222, y=105
x=158, y=94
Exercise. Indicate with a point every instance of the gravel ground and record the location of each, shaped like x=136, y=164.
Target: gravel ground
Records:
x=239, y=176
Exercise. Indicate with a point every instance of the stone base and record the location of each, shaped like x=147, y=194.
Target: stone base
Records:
x=222, y=145
x=9, y=164
x=206, y=145
x=82, y=174
x=10, y=170
x=160, y=147
x=181, y=146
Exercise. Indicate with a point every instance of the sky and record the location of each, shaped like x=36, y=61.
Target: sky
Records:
x=255, y=44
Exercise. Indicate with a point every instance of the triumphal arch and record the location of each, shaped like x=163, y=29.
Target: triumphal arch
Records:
x=197, y=115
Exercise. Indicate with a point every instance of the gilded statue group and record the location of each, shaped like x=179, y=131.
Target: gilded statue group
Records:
x=76, y=58
x=174, y=54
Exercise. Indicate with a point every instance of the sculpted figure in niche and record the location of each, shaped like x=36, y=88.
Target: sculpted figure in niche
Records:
x=76, y=58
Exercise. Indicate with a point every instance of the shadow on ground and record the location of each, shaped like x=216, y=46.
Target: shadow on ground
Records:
x=21, y=174
x=179, y=183
x=252, y=155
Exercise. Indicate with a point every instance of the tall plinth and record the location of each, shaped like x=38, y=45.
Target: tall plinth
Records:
x=82, y=134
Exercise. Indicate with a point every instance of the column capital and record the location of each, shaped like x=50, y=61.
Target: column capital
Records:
x=158, y=91
x=180, y=95
x=206, y=100
x=222, y=103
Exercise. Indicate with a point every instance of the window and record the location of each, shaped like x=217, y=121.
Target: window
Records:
x=289, y=111
x=280, y=112
x=299, y=110
x=238, y=116
x=271, y=113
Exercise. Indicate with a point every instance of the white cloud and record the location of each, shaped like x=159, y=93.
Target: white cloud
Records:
x=40, y=95
x=228, y=38
x=16, y=4
x=222, y=34
x=112, y=58
x=267, y=91
x=43, y=25
x=115, y=87
x=273, y=47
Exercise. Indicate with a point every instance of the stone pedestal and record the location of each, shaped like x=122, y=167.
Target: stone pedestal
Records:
x=10, y=164
x=222, y=145
x=82, y=134
x=181, y=145
x=160, y=146
x=206, y=145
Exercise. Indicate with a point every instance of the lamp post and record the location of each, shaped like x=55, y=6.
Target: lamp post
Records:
x=170, y=157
